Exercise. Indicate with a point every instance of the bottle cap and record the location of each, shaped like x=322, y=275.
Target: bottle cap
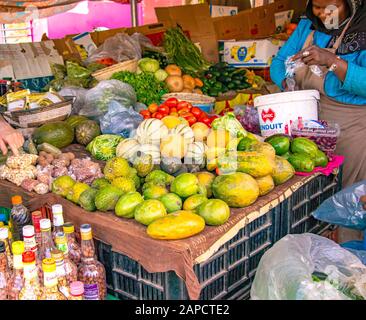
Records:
x=45, y=224
x=17, y=247
x=76, y=288
x=2, y=246
x=4, y=233
x=16, y=200
x=28, y=257
x=57, y=209
x=69, y=227
x=85, y=228
x=57, y=254
x=28, y=231
x=49, y=265
x=37, y=214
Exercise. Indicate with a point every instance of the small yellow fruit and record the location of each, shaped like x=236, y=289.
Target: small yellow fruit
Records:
x=171, y=121
x=173, y=145
x=200, y=131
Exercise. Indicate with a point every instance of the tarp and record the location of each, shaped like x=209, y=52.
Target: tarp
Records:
x=14, y=11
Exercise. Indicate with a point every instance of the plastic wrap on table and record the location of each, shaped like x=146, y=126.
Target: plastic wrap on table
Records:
x=120, y=120
x=78, y=93
x=97, y=99
x=286, y=271
x=357, y=248
x=120, y=47
x=345, y=208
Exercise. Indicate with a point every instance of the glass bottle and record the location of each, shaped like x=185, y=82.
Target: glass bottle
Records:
x=4, y=272
x=31, y=245
x=32, y=288
x=19, y=217
x=50, y=288
x=16, y=281
x=47, y=244
x=91, y=272
x=62, y=283
x=73, y=246
x=58, y=219
x=36, y=220
x=4, y=236
x=76, y=290
x=70, y=267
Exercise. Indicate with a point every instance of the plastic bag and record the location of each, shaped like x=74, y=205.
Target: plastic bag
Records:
x=250, y=120
x=287, y=271
x=344, y=208
x=230, y=123
x=120, y=120
x=120, y=47
x=97, y=99
x=78, y=93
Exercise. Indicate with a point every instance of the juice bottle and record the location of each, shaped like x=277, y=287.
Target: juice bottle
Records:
x=19, y=217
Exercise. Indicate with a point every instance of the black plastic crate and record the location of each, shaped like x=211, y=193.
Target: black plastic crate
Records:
x=228, y=274
x=296, y=211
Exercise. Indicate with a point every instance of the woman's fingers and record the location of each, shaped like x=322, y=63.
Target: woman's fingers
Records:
x=3, y=147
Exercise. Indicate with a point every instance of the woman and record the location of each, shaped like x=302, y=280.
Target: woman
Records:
x=341, y=54
x=9, y=137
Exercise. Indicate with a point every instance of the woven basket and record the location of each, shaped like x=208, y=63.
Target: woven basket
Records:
x=193, y=98
x=36, y=117
x=106, y=73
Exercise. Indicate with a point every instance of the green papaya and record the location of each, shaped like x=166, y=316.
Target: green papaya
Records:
x=281, y=144
x=321, y=159
x=304, y=146
x=301, y=162
x=245, y=144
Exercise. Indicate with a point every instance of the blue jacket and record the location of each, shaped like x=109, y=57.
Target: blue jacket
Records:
x=351, y=91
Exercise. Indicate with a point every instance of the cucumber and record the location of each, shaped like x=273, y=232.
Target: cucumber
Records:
x=49, y=148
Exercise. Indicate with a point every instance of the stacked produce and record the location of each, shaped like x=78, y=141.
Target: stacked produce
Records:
x=176, y=81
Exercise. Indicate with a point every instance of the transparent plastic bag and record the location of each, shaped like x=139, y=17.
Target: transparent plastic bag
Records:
x=120, y=47
x=97, y=99
x=78, y=93
x=287, y=270
x=250, y=120
x=344, y=208
x=120, y=120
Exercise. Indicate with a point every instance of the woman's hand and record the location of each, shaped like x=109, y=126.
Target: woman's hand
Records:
x=10, y=137
x=314, y=55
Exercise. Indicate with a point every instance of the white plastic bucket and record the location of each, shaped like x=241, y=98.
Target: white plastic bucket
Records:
x=277, y=111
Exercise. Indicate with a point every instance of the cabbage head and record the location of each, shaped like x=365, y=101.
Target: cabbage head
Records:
x=149, y=65
x=161, y=75
x=104, y=146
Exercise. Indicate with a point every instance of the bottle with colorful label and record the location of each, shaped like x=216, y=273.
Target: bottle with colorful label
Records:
x=19, y=217
x=47, y=244
x=4, y=236
x=16, y=279
x=36, y=220
x=50, y=284
x=32, y=287
x=30, y=244
x=62, y=283
x=58, y=219
x=76, y=290
x=4, y=272
x=71, y=269
x=91, y=272
x=73, y=246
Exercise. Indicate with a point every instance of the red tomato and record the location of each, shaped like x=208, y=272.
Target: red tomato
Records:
x=189, y=105
x=173, y=110
x=145, y=113
x=212, y=118
x=171, y=102
x=159, y=115
x=153, y=115
x=196, y=112
x=146, y=117
x=183, y=110
x=153, y=107
x=163, y=109
x=182, y=104
x=206, y=121
x=186, y=114
x=174, y=114
x=191, y=120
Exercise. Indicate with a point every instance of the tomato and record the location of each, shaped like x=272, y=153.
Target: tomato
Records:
x=145, y=113
x=182, y=104
x=153, y=107
x=189, y=105
x=173, y=110
x=206, y=121
x=153, y=115
x=146, y=117
x=183, y=110
x=191, y=120
x=174, y=114
x=159, y=115
x=163, y=109
x=196, y=112
x=212, y=118
x=186, y=114
x=171, y=102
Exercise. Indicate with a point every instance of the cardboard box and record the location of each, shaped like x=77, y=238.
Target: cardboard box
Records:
x=282, y=19
x=197, y=21
x=223, y=11
x=28, y=60
x=240, y=4
x=251, y=54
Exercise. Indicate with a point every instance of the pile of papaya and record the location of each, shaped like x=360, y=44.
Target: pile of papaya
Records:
x=303, y=154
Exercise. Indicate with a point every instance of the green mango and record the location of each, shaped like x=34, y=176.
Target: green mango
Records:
x=280, y=144
x=321, y=159
x=301, y=162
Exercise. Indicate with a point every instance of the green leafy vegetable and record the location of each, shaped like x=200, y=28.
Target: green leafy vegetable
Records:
x=230, y=123
x=104, y=146
x=184, y=52
x=148, y=89
x=149, y=65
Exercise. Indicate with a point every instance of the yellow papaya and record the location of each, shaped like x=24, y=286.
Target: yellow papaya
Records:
x=255, y=164
x=264, y=148
x=283, y=171
x=177, y=225
x=265, y=184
